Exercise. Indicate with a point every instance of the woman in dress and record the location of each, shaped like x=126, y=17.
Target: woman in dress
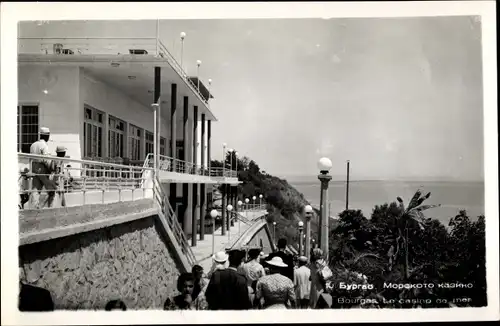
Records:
x=275, y=291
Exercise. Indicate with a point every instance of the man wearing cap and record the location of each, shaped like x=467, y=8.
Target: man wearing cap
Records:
x=227, y=289
x=64, y=177
x=302, y=283
x=42, y=168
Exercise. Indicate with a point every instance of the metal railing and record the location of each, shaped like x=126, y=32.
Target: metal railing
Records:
x=47, y=174
x=170, y=164
x=105, y=45
x=169, y=214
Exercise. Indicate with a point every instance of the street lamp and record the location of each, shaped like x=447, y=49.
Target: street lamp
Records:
x=308, y=214
x=198, y=64
x=247, y=201
x=274, y=232
x=236, y=159
x=224, y=145
x=155, y=107
x=260, y=200
x=229, y=209
x=239, y=222
x=253, y=201
x=230, y=151
x=183, y=35
x=301, y=228
x=208, y=98
x=324, y=165
x=213, y=214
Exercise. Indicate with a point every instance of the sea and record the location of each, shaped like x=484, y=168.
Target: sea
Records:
x=364, y=195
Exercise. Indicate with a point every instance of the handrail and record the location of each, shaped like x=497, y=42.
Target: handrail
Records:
x=179, y=70
x=170, y=164
x=81, y=176
x=166, y=209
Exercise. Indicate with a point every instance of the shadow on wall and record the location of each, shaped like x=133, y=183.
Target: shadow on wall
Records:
x=130, y=262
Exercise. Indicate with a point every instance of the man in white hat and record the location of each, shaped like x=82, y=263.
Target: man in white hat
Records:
x=302, y=283
x=42, y=168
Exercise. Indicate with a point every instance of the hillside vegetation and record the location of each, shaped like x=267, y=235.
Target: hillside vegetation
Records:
x=284, y=203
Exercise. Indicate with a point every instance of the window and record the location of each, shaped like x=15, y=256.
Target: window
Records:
x=134, y=143
x=27, y=127
x=162, y=145
x=149, y=142
x=115, y=137
x=92, y=132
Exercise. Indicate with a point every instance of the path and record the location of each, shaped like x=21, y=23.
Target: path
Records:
x=203, y=249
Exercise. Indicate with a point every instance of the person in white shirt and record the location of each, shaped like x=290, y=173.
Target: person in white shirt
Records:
x=302, y=283
x=42, y=168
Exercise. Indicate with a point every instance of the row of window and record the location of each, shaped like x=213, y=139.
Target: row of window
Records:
x=93, y=130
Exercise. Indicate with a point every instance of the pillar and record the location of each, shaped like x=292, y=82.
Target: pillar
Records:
x=308, y=236
x=196, y=210
x=157, y=94
x=173, y=144
x=203, y=196
x=209, y=145
x=324, y=179
x=186, y=189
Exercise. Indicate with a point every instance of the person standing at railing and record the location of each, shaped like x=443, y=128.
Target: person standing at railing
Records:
x=24, y=195
x=42, y=168
x=63, y=177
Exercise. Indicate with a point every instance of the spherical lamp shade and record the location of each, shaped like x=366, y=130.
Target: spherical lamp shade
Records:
x=308, y=209
x=183, y=35
x=254, y=197
x=260, y=196
x=209, y=81
x=214, y=213
x=198, y=62
x=247, y=200
x=301, y=224
x=274, y=223
x=224, y=144
x=240, y=203
x=324, y=164
x=229, y=207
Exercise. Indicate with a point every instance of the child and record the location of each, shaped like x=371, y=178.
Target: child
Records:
x=24, y=188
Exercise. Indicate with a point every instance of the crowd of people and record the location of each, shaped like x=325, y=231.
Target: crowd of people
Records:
x=238, y=280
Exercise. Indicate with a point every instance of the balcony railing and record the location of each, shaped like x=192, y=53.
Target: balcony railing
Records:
x=97, y=182
x=105, y=45
x=169, y=164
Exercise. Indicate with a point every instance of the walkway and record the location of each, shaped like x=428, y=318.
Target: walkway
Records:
x=203, y=249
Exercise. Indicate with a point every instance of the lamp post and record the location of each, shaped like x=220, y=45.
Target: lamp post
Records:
x=213, y=214
x=224, y=159
x=229, y=209
x=301, y=228
x=308, y=212
x=209, y=85
x=247, y=201
x=183, y=35
x=239, y=222
x=236, y=159
x=274, y=232
x=324, y=165
x=253, y=201
x=260, y=200
x=198, y=64
x=230, y=151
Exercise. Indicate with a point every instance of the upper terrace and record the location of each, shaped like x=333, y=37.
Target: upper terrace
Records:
x=128, y=65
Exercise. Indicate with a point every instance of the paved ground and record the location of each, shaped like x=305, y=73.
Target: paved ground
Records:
x=203, y=249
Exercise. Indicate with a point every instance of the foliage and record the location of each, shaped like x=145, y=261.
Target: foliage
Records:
x=399, y=245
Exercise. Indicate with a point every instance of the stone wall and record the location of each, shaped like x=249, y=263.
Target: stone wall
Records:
x=129, y=261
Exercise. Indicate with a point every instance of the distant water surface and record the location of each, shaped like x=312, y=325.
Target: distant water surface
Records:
x=453, y=196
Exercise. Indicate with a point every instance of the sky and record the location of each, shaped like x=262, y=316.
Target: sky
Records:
x=401, y=98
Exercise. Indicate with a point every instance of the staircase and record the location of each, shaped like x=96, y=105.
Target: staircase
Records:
x=172, y=226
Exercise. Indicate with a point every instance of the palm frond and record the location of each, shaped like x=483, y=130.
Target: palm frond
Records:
x=414, y=200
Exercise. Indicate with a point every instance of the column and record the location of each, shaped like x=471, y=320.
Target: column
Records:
x=196, y=210
x=209, y=145
x=157, y=94
x=173, y=144
x=325, y=179
x=203, y=196
x=186, y=189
